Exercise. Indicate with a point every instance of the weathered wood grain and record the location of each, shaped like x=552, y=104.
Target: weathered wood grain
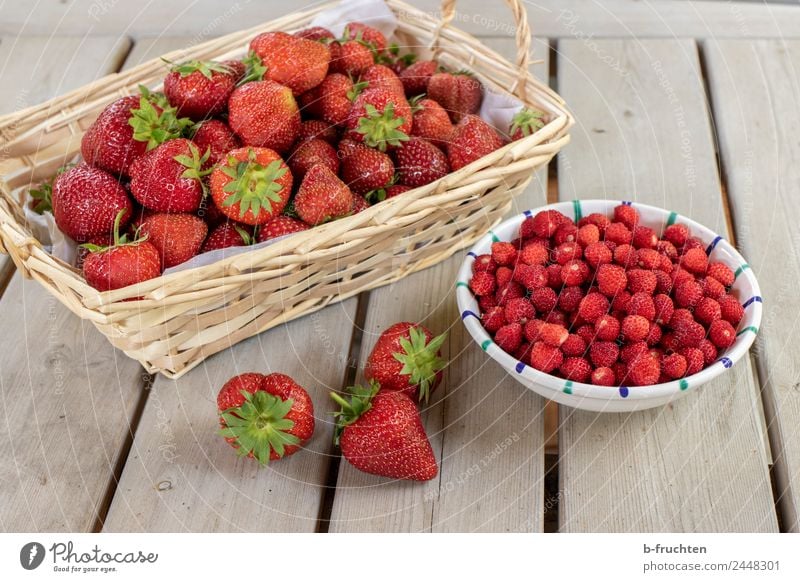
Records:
x=643, y=134
x=754, y=87
x=486, y=428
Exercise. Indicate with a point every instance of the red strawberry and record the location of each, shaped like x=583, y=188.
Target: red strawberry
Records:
x=200, y=89
x=419, y=162
x=545, y=357
x=459, y=93
x=396, y=190
x=298, y=63
x=644, y=370
x=380, y=118
x=177, y=237
x=264, y=114
x=415, y=77
x=381, y=433
x=312, y=153
x=169, y=178
x=472, y=139
x=332, y=99
x=86, y=201
x=252, y=186
x=382, y=77
x=526, y=122
x=280, y=226
x=406, y=358
x=322, y=196
x=217, y=138
x=226, y=235
x=360, y=204
x=315, y=33
x=367, y=169
x=265, y=417
x=431, y=122
x=318, y=129
x=353, y=59
x=122, y=264
x=368, y=35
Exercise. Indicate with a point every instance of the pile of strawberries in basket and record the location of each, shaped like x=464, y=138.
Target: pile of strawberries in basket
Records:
x=306, y=129
x=606, y=301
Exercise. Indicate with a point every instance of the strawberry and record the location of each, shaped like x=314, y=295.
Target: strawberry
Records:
x=396, y=190
x=264, y=114
x=280, y=226
x=471, y=139
x=406, y=358
x=526, y=122
x=380, y=432
x=731, y=310
x=312, y=153
x=644, y=370
x=177, y=237
x=169, y=178
x=627, y=215
x=576, y=369
x=459, y=93
x=545, y=357
x=121, y=264
x=315, y=33
x=200, y=89
x=721, y=333
x=252, y=186
x=603, y=377
x=721, y=273
x=419, y=162
x=695, y=261
x=318, y=129
x=322, y=196
x=382, y=77
x=227, y=235
x=635, y=328
x=336, y=95
x=367, y=169
x=353, y=59
x=298, y=63
x=360, y=204
x=380, y=118
x=482, y=283
x=265, y=417
x=87, y=200
x=415, y=77
x=431, y=122
x=370, y=36
x=216, y=138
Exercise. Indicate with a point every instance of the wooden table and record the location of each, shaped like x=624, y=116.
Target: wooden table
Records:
x=689, y=106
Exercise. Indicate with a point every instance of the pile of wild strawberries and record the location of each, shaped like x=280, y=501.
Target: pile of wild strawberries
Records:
x=306, y=129
x=606, y=301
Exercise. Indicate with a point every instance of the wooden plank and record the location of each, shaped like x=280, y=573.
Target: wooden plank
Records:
x=486, y=428
x=67, y=396
x=756, y=109
x=549, y=18
x=700, y=463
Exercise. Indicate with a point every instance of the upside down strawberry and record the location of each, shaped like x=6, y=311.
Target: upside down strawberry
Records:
x=380, y=433
x=407, y=358
x=265, y=417
x=380, y=118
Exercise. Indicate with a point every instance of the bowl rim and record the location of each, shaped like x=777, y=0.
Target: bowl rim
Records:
x=470, y=315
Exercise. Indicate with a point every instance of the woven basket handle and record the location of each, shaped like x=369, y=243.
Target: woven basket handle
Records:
x=523, y=38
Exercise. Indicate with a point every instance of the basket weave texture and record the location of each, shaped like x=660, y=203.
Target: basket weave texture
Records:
x=172, y=323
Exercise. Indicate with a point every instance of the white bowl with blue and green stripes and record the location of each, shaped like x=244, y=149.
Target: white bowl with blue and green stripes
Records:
x=616, y=398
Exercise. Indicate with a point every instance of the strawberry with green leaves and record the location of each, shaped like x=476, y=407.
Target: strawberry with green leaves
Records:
x=368, y=35
x=380, y=432
x=200, y=89
x=252, y=185
x=265, y=417
x=526, y=122
x=177, y=237
x=122, y=263
x=298, y=63
x=42, y=195
x=322, y=197
x=380, y=118
x=407, y=358
x=264, y=114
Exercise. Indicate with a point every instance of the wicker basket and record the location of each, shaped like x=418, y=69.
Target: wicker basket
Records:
x=170, y=324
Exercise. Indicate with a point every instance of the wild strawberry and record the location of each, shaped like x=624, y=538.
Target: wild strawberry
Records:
x=603, y=377
x=618, y=233
x=712, y=288
x=430, y=121
x=649, y=259
x=407, y=358
x=593, y=307
x=633, y=350
x=318, y=129
x=667, y=248
x=554, y=276
x=709, y=351
x=731, y=310
x=695, y=261
x=570, y=298
x=472, y=139
x=707, y=311
x=519, y=310
x=688, y=294
x=677, y=234
x=459, y=93
x=531, y=277
x=380, y=432
x=681, y=276
x=531, y=330
x=169, y=178
x=694, y=360
x=635, y=328
x=509, y=337
x=367, y=169
x=312, y=153
x=666, y=265
x=721, y=333
x=575, y=369
x=380, y=119
x=503, y=275
x=586, y=332
x=601, y=221
x=607, y=328
x=644, y=237
x=280, y=226
x=354, y=58
x=644, y=370
x=298, y=63
x=87, y=200
x=493, y=319
x=265, y=417
x=642, y=304
x=177, y=237
x=566, y=232
x=619, y=303
x=369, y=35
x=721, y=273
x=597, y=254
x=566, y=252
x=200, y=89
x=674, y=366
x=642, y=281
x=419, y=162
x=544, y=299
x=680, y=317
x=603, y=353
x=627, y=215
x=689, y=334
x=534, y=254
x=546, y=358
x=122, y=264
x=544, y=223
x=415, y=77
x=588, y=234
x=482, y=283
x=504, y=253
x=381, y=76
x=654, y=334
x=625, y=255
x=264, y=114
x=574, y=272
x=611, y=279
x=216, y=138
x=553, y=334
x=484, y=263
x=225, y=236
x=574, y=345
x=664, y=308
x=525, y=122
x=252, y=186
x=487, y=302
x=664, y=282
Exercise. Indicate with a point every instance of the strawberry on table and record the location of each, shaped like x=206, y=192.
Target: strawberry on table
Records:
x=280, y=226
x=299, y=63
x=380, y=118
x=227, y=235
x=407, y=358
x=526, y=122
x=459, y=93
x=380, y=433
x=265, y=417
x=264, y=114
x=252, y=185
x=472, y=139
x=322, y=196
x=200, y=89
x=177, y=237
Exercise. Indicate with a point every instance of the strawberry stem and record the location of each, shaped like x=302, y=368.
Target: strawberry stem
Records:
x=351, y=410
x=380, y=128
x=252, y=185
x=527, y=121
x=421, y=360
